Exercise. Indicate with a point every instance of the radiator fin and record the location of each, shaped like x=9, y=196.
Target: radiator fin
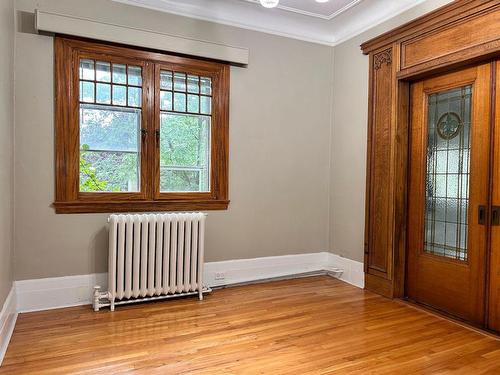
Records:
x=155, y=254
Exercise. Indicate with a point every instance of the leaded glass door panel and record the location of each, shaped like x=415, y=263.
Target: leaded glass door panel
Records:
x=448, y=192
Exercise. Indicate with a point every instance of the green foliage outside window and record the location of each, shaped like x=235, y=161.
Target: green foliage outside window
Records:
x=110, y=154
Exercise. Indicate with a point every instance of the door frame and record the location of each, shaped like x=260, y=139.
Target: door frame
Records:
x=427, y=46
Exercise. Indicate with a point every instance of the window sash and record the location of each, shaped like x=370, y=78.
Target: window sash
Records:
x=69, y=199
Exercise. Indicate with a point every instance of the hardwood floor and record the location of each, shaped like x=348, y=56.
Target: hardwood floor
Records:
x=315, y=325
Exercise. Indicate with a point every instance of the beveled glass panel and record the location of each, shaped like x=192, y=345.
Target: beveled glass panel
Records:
x=193, y=84
x=193, y=103
x=134, y=75
x=165, y=100
x=206, y=85
x=87, y=69
x=206, y=104
x=119, y=95
x=103, y=93
x=447, y=177
x=134, y=96
x=86, y=92
x=166, y=80
x=179, y=102
x=103, y=71
x=119, y=73
x=179, y=82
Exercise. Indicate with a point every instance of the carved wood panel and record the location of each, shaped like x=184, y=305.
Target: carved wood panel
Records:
x=478, y=30
x=460, y=33
x=381, y=133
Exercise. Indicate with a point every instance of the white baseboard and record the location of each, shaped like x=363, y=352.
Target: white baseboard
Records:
x=8, y=317
x=57, y=292
x=353, y=271
x=247, y=270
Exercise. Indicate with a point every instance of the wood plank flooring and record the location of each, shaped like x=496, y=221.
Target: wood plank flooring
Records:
x=315, y=325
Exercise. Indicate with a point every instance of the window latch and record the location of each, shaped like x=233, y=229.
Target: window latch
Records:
x=157, y=132
x=144, y=133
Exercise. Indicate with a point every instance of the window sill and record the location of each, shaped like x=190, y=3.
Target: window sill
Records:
x=79, y=207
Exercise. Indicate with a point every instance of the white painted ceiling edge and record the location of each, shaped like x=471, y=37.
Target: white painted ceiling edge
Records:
x=352, y=20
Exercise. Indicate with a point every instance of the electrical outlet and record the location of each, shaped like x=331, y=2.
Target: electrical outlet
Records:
x=220, y=276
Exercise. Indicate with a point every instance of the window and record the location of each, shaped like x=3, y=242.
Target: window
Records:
x=138, y=130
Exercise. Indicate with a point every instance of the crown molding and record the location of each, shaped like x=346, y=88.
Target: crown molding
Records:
x=229, y=19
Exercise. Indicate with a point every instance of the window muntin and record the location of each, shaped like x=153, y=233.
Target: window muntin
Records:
x=109, y=112
x=448, y=171
x=110, y=100
x=185, y=128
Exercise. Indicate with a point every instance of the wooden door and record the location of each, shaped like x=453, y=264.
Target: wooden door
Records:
x=494, y=259
x=449, y=192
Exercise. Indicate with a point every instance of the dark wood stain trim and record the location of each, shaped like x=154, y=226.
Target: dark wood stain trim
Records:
x=391, y=282
x=68, y=199
x=444, y=16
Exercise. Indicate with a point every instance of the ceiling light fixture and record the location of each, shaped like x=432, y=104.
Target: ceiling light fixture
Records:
x=321, y=1
x=269, y=3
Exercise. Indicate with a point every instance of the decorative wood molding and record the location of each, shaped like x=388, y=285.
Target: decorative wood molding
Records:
x=381, y=58
x=461, y=33
x=459, y=10
x=68, y=198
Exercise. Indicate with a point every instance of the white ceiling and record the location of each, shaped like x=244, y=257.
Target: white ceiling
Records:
x=312, y=8
x=326, y=23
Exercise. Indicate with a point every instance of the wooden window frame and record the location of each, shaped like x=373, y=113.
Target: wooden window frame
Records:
x=68, y=198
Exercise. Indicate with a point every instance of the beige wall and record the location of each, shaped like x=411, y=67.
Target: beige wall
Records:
x=348, y=157
x=297, y=163
x=6, y=143
x=279, y=148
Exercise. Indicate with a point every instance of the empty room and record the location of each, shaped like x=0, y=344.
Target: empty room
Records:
x=250, y=187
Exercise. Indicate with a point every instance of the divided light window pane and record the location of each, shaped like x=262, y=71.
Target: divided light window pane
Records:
x=185, y=121
x=110, y=123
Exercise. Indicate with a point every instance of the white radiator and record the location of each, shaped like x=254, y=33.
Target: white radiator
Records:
x=153, y=256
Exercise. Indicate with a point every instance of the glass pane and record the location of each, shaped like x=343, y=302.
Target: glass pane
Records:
x=179, y=82
x=109, y=171
x=193, y=85
x=206, y=85
x=87, y=69
x=166, y=80
x=103, y=93
x=119, y=95
x=134, y=96
x=184, y=153
x=193, y=104
x=135, y=75
x=165, y=100
x=206, y=104
x=109, y=149
x=447, y=177
x=86, y=92
x=179, y=102
x=119, y=73
x=103, y=71
x=109, y=128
